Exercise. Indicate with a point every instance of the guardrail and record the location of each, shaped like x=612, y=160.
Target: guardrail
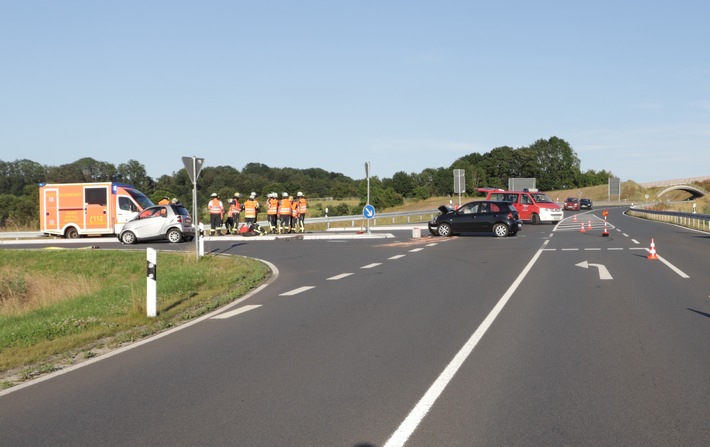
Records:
x=690, y=220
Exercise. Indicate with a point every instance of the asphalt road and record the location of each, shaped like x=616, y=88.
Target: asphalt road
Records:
x=553, y=337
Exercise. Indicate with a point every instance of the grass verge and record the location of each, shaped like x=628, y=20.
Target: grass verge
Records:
x=58, y=307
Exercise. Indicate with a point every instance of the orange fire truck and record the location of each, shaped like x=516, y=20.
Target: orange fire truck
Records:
x=71, y=210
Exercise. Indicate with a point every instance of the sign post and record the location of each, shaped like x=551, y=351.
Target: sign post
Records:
x=367, y=174
x=152, y=278
x=193, y=166
x=459, y=182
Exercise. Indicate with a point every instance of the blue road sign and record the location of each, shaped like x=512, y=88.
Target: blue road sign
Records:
x=368, y=211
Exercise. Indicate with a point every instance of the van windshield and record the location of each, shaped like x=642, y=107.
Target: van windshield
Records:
x=141, y=198
x=541, y=198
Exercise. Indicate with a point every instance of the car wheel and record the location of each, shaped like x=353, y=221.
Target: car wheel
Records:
x=174, y=235
x=71, y=233
x=128, y=238
x=445, y=230
x=535, y=219
x=500, y=230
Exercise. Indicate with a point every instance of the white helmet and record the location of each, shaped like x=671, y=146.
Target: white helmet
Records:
x=284, y=194
x=299, y=194
x=252, y=195
x=214, y=194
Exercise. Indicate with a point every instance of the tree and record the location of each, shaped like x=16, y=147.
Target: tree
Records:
x=134, y=174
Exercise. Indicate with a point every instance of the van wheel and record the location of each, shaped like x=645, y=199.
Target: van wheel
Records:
x=500, y=230
x=128, y=238
x=535, y=219
x=174, y=235
x=71, y=233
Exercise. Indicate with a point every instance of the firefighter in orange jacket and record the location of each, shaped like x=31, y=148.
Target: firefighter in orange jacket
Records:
x=216, y=210
x=233, y=214
x=294, y=214
x=251, y=208
x=302, y=205
x=285, y=213
x=272, y=212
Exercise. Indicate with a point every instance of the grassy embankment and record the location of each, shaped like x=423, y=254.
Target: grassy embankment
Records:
x=58, y=307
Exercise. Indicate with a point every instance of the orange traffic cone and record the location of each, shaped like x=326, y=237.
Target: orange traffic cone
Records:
x=652, y=251
x=589, y=227
x=581, y=229
x=574, y=219
x=605, y=233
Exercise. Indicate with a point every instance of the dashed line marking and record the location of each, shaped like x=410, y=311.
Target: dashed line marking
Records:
x=635, y=241
x=592, y=249
x=397, y=257
x=369, y=266
x=432, y=244
x=570, y=249
x=414, y=250
x=341, y=276
x=297, y=291
x=237, y=311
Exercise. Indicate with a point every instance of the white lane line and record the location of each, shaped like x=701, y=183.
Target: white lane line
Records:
x=341, y=276
x=297, y=291
x=407, y=427
x=570, y=249
x=592, y=249
x=237, y=311
x=671, y=266
x=414, y=250
x=615, y=248
x=634, y=241
x=432, y=244
x=369, y=266
x=397, y=257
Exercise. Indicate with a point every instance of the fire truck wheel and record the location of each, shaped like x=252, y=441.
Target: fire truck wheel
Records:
x=71, y=233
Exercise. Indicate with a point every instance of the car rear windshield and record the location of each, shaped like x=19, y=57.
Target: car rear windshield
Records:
x=181, y=210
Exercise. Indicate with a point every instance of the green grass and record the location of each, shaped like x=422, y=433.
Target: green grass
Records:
x=60, y=306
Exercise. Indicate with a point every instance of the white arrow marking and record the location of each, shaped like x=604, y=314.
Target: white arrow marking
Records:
x=603, y=272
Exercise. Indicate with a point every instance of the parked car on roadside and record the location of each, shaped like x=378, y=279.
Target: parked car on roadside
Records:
x=497, y=217
x=585, y=203
x=571, y=204
x=171, y=222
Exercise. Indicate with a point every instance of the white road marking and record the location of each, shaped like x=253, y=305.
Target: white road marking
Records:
x=397, y=256
x=234, y=312
x=634, y=241
x=603, y=272
x=297, y=291
x=341, y=276
x=432, y=244
x=570, y=249
x=615, y=248
x=369, y=266
x=671, y=266
x=592, y=249
x=414, y=250
x=407, y=427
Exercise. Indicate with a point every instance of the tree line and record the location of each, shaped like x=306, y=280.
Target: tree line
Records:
x=552, y=162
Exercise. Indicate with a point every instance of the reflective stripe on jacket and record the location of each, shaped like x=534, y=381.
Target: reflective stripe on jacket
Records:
x=250, y=207
x=273, y=207
x=216, y=207
x=285, y=207
x=302, y=205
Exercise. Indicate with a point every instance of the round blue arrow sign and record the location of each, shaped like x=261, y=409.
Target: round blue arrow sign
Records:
x=368, y=211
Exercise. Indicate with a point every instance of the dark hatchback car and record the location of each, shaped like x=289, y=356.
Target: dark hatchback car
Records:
x=483, y=216
x=585, y=203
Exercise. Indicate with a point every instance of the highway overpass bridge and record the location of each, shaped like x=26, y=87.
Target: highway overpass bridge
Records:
x=679, y=184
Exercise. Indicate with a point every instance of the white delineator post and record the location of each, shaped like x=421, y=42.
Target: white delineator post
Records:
x=152, y=273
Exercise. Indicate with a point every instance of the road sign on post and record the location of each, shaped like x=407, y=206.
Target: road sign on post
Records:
x=193, y=166
x=367, y=175
x=459, y=182
x=368, y=211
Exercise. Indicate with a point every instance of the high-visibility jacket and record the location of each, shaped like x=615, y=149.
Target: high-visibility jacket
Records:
x=250, y=208
x=164, y=202
x=216, y=207
x=302, y=205
x=294, y=211
x=235, y=208
x=285, y=207
x=273, y=207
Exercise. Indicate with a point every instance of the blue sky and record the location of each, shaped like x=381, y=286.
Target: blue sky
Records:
x=406, y=85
